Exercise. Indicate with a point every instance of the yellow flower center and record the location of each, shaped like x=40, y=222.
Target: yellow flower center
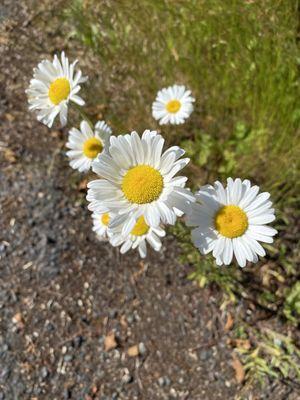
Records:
x=173, y=106
x=142, y=184
x=105, y=219
x=92, y=147
x=59, y=90
x=231, y=221
x=140, y=228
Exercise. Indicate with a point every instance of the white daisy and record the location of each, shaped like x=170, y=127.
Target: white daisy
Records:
x=137, y=238
x=100, y=225
x=232, y=221
x=139, y=180
x=173, y=105
x=52, y=87
x=86, y=145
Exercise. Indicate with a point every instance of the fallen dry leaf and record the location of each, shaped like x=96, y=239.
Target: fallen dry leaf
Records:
x=238, y=369
x=229, y=323
x=240, y=343
x=9, y=117
x=82, y=185
x=110, y=342
x=133, y=351
x=10, y=156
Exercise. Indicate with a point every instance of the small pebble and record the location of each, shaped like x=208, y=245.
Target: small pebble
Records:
x=77, y=341
x=67, y=394
x=126, y=378
x=204, y=355
x=164, y=381
x=44, y=372
x=130, y=319
x=142, y=349
x=113, y=313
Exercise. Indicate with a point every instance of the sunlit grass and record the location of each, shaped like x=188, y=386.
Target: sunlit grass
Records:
x=241, y=60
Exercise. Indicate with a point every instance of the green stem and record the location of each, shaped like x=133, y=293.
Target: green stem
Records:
x=84, y=115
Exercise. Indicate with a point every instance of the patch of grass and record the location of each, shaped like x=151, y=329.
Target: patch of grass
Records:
x=241, y=61
x=270, y=354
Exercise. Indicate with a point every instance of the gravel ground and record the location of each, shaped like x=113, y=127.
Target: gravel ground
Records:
x=77, y=320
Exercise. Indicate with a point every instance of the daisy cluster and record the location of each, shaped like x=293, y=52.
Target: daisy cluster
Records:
x=138, y=190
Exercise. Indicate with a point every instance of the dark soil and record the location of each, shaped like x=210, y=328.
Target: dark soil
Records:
x=62, y=291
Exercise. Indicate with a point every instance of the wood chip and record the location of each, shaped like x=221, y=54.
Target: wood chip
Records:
x=17, y=319
x=110, y=342
x=123, y=322
x=133, y=351
x=94, y=389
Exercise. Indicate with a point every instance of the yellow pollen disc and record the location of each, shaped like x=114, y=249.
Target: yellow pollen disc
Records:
x=105, y=219
x=142, y=184
x=231, y=221
x=92, y=147
x=140, y=228
x=59, y=90
x=173, y=106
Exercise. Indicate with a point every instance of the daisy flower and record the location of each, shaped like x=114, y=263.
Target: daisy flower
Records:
x=173, y=105
x=52, y=87
x=100, y=225
x=137, y=238
x=138, y=179
x=86, y=145
x=232, y=221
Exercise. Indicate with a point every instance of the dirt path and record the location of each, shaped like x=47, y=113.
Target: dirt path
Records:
x=62, y=291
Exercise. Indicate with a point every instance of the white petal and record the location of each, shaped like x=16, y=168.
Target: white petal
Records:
x=219, y=247
x=228, y=252
x=260, y=199
x=264, y=230
x=262, y=219
x=249, y=196
x=126, y=246
x=254, y=245
x=238, y=252
x=143, y=249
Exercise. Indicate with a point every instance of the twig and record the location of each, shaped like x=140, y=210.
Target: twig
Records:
x=55, y=153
